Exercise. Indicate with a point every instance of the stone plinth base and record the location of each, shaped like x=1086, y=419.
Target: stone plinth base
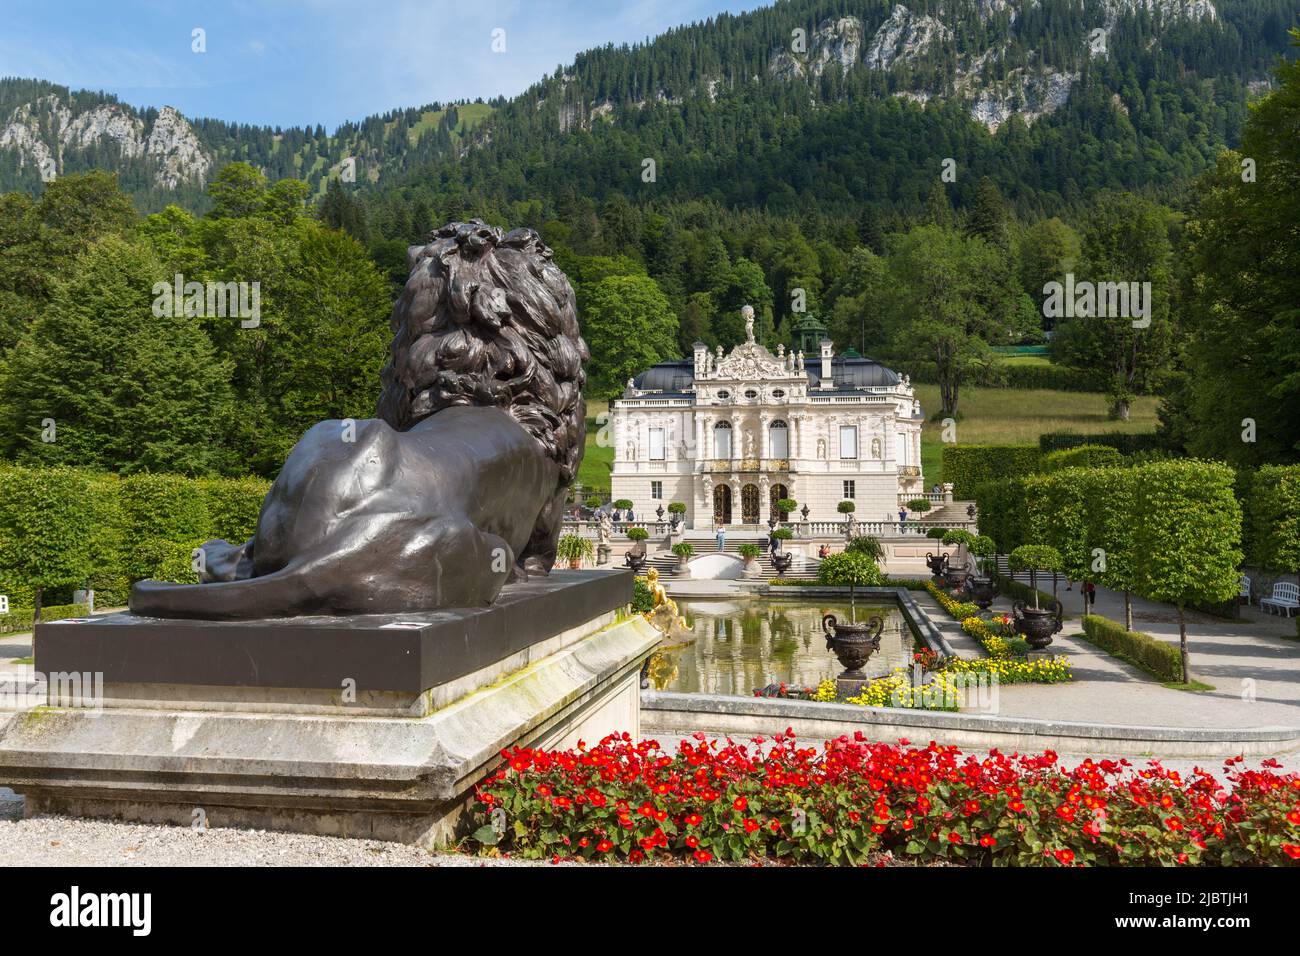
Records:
x=289, y=759
x=846, y=687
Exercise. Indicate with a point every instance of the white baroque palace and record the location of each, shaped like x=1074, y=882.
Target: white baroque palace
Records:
x=729, y=435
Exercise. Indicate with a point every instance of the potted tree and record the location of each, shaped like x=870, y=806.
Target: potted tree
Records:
x=853, y=643
x=574, y=548
x=919, y=505
x=785, y=507
x=1036, y=624
x=593, y=502
x=937, y=563
x=781, y=558
x=683, y=550
x=750, y=553
x=982, y=591
x=635, y=557
x=961, y=540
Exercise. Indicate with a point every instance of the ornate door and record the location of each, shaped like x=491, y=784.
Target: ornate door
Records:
x=779, y=492
x=749, y=504
x=722, y=504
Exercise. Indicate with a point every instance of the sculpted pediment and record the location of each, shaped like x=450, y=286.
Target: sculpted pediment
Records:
x=750, y=361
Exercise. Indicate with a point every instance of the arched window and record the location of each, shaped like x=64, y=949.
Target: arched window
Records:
x=722, y=440
x=778, y=438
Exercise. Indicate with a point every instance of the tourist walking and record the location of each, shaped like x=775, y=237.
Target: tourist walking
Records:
x=722, y=537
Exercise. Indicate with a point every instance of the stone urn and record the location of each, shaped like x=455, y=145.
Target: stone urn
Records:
x=982, y=591
x=782, y=560
x=635, y=560
x=853, y=643
x=938, y=565
x=1037, y=624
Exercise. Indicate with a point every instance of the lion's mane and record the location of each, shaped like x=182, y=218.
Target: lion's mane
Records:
x=487, y=318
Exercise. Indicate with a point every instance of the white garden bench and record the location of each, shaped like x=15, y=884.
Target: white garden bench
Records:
x=1285, y=597
x=1245, y=588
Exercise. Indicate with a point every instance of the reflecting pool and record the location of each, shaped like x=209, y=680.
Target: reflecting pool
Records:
x=742, y=645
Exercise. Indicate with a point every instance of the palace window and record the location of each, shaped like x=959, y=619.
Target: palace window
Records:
x=722, y=440
x=750, y=393
x=900, y=449
x=848, y=441
x=779, y=439
x=849, y=488
x=656, y=444
x=657, y=490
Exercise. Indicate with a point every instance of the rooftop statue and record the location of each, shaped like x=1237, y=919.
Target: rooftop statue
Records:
x=456, y=487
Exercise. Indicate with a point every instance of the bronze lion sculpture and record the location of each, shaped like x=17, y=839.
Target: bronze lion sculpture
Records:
x=457, y=487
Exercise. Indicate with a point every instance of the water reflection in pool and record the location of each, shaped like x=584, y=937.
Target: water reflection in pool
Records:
x=742, y=645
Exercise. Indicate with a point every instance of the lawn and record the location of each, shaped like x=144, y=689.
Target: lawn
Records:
x=1042, y=360
x=597, y=461
x=1018, y=416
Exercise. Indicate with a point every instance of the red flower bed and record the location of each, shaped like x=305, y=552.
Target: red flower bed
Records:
x=852, y=799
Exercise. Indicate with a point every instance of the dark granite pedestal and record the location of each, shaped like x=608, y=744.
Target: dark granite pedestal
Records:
x=373, y=727
x=385, y=660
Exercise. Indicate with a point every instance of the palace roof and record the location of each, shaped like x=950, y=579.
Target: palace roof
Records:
x=849, y=372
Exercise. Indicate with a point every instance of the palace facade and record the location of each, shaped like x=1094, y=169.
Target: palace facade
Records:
x=731, y=434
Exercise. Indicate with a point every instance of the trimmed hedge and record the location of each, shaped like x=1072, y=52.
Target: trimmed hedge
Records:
x=140, y=526
x=1125, y=443
x=1003, y=514
x=1160, y=659
x=1082, y=456
x=1012, y=375
x=969, y=466
x=1273, y=518
x=233, y=505
x=21, y=618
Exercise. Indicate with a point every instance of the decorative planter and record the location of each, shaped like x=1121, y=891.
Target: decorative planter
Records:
x=853, y=643
x=635, y=560
x=982, y=591
x=782, y=561
x=683, y=566
x=938, y=565
x=1037, y=625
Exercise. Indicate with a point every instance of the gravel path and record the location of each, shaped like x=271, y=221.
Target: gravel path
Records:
x=1251, y=664
x=71, y=841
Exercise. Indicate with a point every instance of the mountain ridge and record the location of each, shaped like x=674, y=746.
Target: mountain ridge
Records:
x=997, y=59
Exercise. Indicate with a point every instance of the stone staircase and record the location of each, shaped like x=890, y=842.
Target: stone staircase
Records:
x=946, y=515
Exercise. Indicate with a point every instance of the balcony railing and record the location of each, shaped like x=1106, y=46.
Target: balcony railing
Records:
x=744, y=464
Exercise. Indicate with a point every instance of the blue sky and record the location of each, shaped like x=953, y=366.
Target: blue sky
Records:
x=317, y=61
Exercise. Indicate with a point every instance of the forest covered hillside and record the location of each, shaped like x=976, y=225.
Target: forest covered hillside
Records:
x=805, y=103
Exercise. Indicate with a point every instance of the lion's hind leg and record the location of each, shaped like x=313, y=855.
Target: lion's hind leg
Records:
x=538, y=556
